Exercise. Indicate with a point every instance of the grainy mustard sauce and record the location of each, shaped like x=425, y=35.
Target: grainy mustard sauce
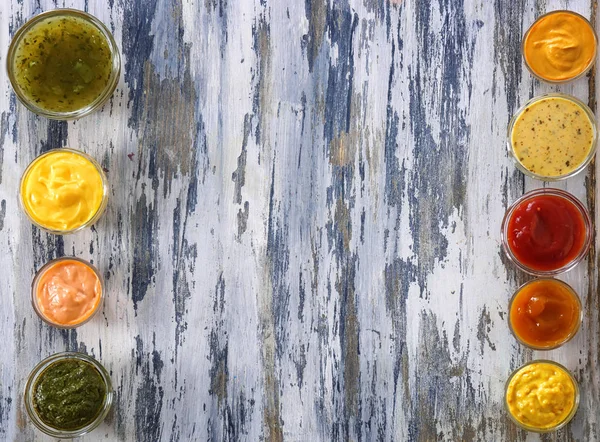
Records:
x=552, y=137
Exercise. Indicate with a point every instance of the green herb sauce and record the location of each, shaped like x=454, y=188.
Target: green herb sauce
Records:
x=62, y=64
x=69, y=394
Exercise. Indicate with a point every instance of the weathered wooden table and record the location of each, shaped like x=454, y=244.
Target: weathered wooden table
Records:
x=302, y=240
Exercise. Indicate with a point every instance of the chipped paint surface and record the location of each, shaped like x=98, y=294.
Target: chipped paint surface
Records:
x=302, y=236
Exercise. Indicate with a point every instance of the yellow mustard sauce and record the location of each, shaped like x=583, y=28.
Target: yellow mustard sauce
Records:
x=62, y=190
x=541, y=395
x=559, y=46
x=552, y=137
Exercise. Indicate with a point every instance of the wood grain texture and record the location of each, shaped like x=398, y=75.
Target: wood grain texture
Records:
x=302, y=239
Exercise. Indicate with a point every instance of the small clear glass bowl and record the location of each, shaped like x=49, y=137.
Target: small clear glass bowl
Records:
x=581, y=166
x=104, y=95
x=568, y=337
x=92, y=219
x=587, y=221
x=34, y=289
x=39, y=370
x=562, y=423
x=566, y=80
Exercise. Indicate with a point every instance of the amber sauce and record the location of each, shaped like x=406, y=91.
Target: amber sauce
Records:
x=545, y=313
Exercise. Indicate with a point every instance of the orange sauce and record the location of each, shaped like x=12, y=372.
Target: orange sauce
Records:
x=559, y=46
x=68, y=292
x=545, y=313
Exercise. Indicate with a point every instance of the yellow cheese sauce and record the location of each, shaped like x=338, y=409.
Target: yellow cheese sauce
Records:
x=559, y=46
x=552, y=137
x=62, y=190
x=541, y=395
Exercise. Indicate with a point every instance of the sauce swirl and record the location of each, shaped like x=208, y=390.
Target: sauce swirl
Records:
x=545, y=313
x=546, y=232
x=62, y=190
x=67, y=292
x=559, y=46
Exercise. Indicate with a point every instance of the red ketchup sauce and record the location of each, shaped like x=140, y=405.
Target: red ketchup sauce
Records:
x=546, y=232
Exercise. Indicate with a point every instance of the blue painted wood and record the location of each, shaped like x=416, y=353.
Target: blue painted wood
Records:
x=302, y=240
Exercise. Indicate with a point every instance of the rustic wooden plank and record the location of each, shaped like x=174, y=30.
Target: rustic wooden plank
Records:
x=302, y=239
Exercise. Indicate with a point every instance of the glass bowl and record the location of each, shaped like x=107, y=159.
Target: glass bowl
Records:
x=30, y=391
x=105, y=93
x=34, y=290
x=568, y=337
x=569, y=79
x=96, y=214
x=561, y=423
x=587, y=241
x=588, y=112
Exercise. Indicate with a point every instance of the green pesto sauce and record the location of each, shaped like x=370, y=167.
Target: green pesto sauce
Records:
x=62, y=64
x=69, y=394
